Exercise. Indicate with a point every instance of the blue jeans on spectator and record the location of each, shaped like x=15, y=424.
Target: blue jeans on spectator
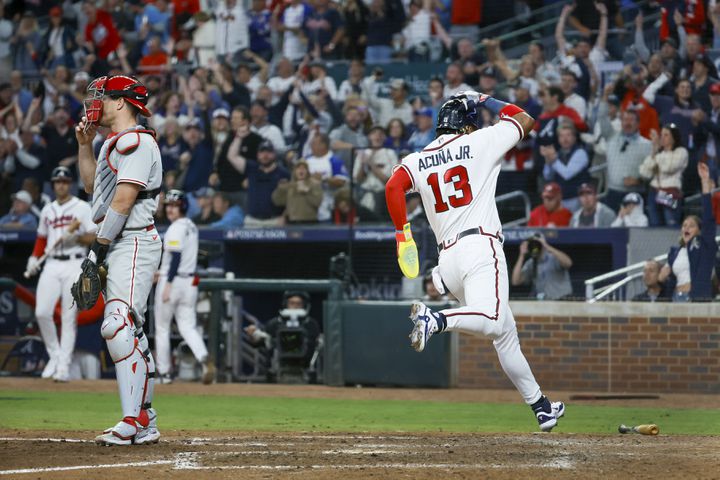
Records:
x=660, y=214
x=377, y=54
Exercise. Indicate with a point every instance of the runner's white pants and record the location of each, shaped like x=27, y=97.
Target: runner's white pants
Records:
x=475, y=271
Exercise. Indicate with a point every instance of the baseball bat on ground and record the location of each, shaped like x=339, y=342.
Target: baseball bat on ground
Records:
x=648, y=429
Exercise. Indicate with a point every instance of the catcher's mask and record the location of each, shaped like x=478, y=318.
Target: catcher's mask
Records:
x=116, y=86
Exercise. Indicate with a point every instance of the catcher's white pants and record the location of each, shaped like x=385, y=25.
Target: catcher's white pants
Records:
x=132, y=262
x=182, y=304
x=475, y=271
x=55, y=281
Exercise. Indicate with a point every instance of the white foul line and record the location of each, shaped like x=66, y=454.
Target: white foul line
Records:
x=86, y=467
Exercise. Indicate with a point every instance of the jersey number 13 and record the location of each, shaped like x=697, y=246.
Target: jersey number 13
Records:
x=458, y=176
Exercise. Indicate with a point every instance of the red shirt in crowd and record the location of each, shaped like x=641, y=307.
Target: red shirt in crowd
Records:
x=693, y=17
x=540, y=217
x=716, y=206
x=153, y=63
x=563, y=111
x=103, y=34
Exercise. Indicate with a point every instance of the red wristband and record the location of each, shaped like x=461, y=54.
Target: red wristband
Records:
x=510, y=111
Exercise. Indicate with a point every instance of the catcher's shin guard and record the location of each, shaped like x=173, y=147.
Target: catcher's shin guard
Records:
x=145, y=349
x=131, y=366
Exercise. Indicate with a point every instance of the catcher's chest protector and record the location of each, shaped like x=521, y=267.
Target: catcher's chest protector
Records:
x=106, y=172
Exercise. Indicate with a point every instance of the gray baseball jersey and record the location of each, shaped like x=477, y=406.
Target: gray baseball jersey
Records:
x=136, y=159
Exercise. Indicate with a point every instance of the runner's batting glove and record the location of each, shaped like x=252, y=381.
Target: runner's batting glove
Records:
x=33, y=265
x=407, y=252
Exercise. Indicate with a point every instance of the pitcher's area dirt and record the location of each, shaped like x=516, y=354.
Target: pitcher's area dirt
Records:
x=198, y=455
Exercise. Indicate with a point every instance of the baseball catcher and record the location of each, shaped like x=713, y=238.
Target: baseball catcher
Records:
x=125, y=182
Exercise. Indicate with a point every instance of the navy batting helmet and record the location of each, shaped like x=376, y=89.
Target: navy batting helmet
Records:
x=61, y=173
x=455, y=116
x=177, y=197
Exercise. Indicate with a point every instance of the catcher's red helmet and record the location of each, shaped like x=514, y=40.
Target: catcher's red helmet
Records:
x=128, y=88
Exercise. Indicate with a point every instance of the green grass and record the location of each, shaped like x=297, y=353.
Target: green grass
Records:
x=94, y=411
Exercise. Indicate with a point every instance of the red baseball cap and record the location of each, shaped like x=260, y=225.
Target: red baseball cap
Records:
x=56, y=12
x=552, y=190
x=715, y=89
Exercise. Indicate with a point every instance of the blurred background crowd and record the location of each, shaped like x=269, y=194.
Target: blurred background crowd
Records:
x=252, y=123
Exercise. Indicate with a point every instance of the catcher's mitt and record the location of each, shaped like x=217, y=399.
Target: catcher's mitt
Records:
x=86, y=289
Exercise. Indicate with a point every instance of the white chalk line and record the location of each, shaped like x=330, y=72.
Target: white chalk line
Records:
x=44, y=439
x=87, y=467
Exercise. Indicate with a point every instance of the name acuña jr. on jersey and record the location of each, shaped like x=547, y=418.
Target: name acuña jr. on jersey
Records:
x=443, y=157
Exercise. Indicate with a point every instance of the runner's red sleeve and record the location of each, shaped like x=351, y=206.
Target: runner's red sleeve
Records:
x=40, y=244
x=395, y=189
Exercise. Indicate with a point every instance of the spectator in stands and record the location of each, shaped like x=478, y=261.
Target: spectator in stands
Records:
x=552, y=99
x=551, y=213
x=60, y=142
x=58, y=44
x=205, y=200
x=327, y=169
x=233, y=92
x=385, y=20
x=263, y=178
x=690, y=264
x=385, y=109
x=417, y=31
x=397, y=137
x=664, y=168
x=260, y=26
x=349, y=135
x=291, y=24
x=319, y=80
x=231, y=216
x=430, y=291
x=454, y=80
x=156, y=61
x=631, y=212
x=26, y=43
x=28, y=161
x=355, y=13
x=171, y=144
x=544, y=268
x=323, y=29
x=678, y=109
x=221, y=131
x=352, y=85
x=424, y=133
x=261, y=126
x=101, y=35
x=708, y=132
x=568, y=166
x=626, y=151
x=489, y=82
x=34, y=187
x=238, y=148
x=301, y=197
x=196, y=163
x=372, y=169
x=6, y=33
x=592, y=213
x=654, y=290
x=629, y=88
x=345, y=213
x=20, y=215
x=569, y=84
x=20, y=91
x=231, y=31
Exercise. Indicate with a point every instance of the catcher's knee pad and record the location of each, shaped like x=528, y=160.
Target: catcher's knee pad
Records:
x=119, y=334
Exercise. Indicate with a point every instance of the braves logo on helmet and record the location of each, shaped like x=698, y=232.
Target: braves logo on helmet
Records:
x=61, y=173
x=177, y=197
x=115, y=86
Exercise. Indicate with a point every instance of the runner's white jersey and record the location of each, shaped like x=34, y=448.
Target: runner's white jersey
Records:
x=181, y=236
x=456, y=176
x=55, y=219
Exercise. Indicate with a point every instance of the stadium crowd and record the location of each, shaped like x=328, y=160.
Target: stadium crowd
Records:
x=252, y=125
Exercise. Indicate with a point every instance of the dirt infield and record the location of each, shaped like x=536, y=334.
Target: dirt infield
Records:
x=201, y=454
x=312, y=456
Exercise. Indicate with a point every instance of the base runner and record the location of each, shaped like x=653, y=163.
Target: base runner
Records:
x=64, y=233
x=125, y=182
x=176, y=293
x=456, y=176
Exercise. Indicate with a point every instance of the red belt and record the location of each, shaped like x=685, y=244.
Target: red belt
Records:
x=139, y=229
